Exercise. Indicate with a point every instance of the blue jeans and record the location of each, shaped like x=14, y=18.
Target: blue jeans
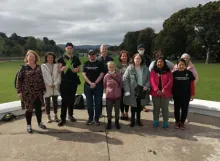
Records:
x=94, y=96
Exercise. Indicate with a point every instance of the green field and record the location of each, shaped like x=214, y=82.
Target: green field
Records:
x=208, y=87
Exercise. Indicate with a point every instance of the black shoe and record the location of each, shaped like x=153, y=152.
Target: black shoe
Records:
x=122, y=117
x=89, y=122
x=72, y=119
x=117, y=125
x=29, y=129
x=61, y=123
x=42, y=126
x=126, y=118
x=109, y=125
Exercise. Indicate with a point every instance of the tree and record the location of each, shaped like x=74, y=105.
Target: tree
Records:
x=177, y=30
x=46, y=40
x=130, y=42
x=2, y=44
x=206, y=22
x=17, y=50
x=31, y=43
x=146, y=37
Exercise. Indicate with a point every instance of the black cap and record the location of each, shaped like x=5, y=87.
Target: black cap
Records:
x=69, y=44
x=140, y=46
x=91, y=52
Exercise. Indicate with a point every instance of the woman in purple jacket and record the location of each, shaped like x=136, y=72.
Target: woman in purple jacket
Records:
x=112, y=85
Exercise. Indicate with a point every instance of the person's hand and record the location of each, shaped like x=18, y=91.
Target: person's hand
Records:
x=75, y=70
x=63, y=68
x=92, y=85
x=145, y=88
x=192, y=98
x=20, y=96
x=163, y=92
x=159, y=93
x=52, y=86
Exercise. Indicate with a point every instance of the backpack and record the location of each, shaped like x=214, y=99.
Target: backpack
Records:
x=79, y=102
x=22, y=70
x=8, y=117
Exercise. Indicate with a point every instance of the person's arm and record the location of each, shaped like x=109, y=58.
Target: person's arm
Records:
x=147, y=84
x=169, y=83
x=192, y=90
x=153, y=84
x=170, y=65
x=126, y=83
x=86, y=78
x=151, y=65
x=99, y=78
x=58, y=76
x=45, y=74
x=19, y=84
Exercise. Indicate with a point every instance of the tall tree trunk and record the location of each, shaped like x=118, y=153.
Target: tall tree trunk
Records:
x=207, y=56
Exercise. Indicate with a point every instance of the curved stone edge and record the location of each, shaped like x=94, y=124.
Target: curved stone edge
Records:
x=209, y=108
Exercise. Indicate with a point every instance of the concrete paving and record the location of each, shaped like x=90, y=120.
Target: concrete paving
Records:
x=79, y=142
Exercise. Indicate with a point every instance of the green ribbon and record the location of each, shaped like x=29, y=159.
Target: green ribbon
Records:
x=68, y=62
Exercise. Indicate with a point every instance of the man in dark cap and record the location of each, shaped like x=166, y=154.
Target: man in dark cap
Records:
x=93, y=72
x=69, y=66
x=141, y=50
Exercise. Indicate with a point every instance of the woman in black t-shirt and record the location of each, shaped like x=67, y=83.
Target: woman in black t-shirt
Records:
x=183, y=92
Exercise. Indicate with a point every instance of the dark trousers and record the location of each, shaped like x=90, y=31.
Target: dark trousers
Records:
x=136, y=110
x=67, y=92
x=55, y=104
x=109, y=107
x=183, y=105
x=94, y=96
x=38, y=112
x=123, y=107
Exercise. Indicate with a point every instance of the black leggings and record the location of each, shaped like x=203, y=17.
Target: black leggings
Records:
x=123, y=107
x=38, y=112
x=55, y=104
x=136, y=110
x=183, y=105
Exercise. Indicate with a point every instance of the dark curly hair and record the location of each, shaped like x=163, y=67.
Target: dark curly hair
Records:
x=52, y=54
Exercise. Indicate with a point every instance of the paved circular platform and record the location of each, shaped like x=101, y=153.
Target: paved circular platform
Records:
x=79, y=142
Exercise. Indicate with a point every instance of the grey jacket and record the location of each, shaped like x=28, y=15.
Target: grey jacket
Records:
x=130, y=83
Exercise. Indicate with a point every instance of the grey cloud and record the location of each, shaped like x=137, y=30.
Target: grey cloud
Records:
x=86, y=21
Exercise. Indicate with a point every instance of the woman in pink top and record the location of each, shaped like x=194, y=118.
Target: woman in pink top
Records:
x=161, y=82
x=112, y=85
x=189, y=66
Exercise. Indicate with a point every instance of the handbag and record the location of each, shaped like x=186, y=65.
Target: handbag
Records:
x=139, y=91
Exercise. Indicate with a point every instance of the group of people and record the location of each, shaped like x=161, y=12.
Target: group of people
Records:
x=37, y=84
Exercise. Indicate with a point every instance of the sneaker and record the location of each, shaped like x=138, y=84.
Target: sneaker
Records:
x=182, y=126
x=97, y=122
x=49, y=119
x=165, y=125
x=156, y=124
x=89, y=122
x=61, y=123
x=177, y=125
x=72, y=119
x=29, y=129
x=42, y=126
x=186, y=121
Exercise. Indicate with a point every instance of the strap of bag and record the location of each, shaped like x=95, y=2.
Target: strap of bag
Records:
x=115, y=80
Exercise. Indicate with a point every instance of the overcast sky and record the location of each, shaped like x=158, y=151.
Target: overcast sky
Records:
x=86, y=21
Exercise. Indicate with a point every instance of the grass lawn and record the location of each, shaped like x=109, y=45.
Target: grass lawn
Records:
x=208, y=87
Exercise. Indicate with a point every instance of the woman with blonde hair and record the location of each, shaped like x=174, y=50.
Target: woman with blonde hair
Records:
x=30, y=88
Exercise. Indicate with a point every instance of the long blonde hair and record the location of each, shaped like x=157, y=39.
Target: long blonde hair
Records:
x=37, y=58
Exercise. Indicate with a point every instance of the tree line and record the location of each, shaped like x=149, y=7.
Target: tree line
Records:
x=193, y=30
x=17, y=46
